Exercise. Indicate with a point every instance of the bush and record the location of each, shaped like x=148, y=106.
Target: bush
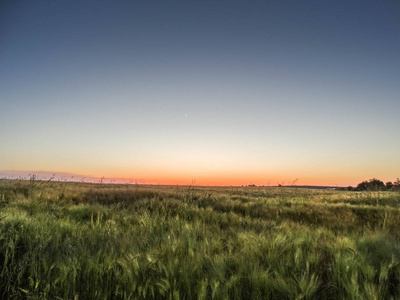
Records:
x=371, y=185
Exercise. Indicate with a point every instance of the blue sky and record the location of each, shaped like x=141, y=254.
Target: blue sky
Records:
x=224, y=92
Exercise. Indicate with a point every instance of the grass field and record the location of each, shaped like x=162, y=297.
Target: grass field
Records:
x=94, y=241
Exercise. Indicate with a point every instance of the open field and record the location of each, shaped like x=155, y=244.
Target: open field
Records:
x=85, y=241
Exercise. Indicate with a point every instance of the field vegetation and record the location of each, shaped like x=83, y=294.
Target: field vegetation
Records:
x=101, y=241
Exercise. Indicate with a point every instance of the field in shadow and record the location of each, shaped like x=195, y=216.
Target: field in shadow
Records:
x=94, y=241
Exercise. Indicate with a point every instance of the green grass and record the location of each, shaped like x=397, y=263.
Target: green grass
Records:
x=86, y=241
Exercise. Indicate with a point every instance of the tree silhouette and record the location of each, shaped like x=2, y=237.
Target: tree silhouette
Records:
x=371, y=185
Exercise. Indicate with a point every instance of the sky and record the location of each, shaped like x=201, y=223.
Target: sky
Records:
x=202, y=92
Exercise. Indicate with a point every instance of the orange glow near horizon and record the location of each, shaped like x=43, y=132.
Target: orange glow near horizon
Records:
x=231, y=178
x=240, y=175
x=236, y=182
x=241, y=180
x=216, y=172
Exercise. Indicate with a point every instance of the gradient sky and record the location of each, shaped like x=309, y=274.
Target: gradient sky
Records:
x=220, y=92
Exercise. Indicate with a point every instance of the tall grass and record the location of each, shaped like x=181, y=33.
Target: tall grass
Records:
x=86, y=241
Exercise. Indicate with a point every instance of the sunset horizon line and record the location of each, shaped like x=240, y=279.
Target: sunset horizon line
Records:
x=223, y=182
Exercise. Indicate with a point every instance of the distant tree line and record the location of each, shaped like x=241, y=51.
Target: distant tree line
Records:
x=376, y=185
